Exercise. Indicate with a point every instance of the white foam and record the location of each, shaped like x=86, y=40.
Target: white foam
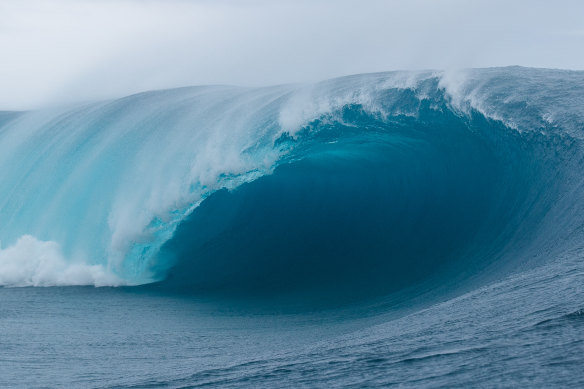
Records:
x=466, y=93
x=311, y=103
x=32, y=262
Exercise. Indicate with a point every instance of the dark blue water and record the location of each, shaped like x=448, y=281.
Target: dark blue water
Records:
x=524, y=330
x=408, y=229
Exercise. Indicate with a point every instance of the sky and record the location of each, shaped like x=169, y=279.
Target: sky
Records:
x=55, y=52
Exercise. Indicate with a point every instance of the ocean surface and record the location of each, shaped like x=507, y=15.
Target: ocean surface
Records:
x=408, y=229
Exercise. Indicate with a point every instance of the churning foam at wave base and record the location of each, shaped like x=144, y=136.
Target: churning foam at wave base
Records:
x=31, y=262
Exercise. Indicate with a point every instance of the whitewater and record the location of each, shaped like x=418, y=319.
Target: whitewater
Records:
x=401, y=228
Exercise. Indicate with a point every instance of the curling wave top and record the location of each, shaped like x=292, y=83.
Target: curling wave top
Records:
x=376, y=179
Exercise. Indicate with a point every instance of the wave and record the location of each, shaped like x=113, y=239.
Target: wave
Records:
x=363, y=184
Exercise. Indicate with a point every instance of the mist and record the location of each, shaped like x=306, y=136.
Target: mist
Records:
x=67, y=51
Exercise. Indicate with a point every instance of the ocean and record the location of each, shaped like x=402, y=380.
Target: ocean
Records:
x=408, y=229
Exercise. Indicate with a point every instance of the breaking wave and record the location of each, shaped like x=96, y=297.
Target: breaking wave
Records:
x=362, y=184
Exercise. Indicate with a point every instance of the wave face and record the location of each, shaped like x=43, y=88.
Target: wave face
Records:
x=367, y=183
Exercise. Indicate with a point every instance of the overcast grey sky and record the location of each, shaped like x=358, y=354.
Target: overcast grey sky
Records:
x=61, y=51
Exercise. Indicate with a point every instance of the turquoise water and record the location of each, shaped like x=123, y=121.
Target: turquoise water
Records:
x=420, y=229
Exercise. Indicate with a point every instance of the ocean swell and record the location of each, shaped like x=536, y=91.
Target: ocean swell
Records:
x=365, y=184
